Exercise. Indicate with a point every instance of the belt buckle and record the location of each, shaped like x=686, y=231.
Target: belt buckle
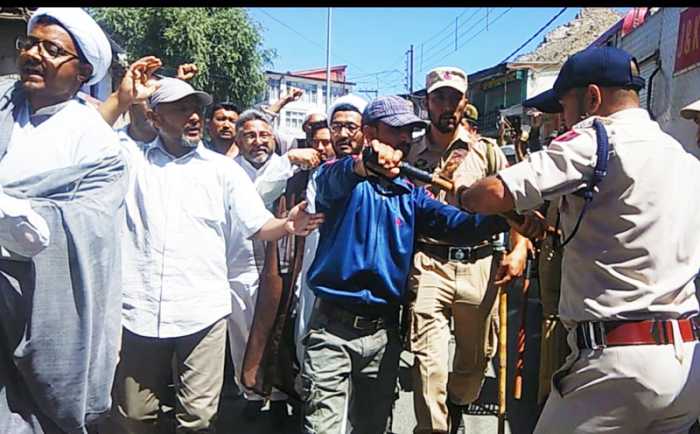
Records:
x=598, y=341
x=461, y=254
x=371, y=323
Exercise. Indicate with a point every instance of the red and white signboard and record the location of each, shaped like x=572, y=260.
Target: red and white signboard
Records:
x=688, y=46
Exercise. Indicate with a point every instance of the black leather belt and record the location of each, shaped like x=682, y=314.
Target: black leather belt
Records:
x=463, y=254
x=370, y=323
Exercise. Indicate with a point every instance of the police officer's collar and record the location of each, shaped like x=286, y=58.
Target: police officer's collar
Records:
x=463, y=140
x=635, y=113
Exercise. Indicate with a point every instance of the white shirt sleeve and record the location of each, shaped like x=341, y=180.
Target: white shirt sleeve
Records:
x=245, y=206
x=272, y=182
x=22, y=230
x=561, y=169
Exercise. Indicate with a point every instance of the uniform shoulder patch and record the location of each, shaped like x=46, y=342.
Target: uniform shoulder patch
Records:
x=567, y=136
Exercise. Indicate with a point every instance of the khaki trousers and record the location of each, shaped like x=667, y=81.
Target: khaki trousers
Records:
x=443, y=291
x=146, y=369
x=624, y=390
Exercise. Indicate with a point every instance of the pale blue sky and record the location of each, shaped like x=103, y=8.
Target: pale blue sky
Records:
x=372, y=41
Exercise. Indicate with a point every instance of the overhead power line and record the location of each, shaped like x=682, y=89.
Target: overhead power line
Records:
x=535, y=35
x=460, y=37
x=473, y=36
x=450, y=36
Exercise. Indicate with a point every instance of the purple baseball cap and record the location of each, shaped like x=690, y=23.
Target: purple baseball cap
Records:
x=393, y=111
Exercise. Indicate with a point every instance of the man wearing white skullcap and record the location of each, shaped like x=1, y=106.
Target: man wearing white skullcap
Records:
x=345, y=122
x=62, y=183
x=90, y=41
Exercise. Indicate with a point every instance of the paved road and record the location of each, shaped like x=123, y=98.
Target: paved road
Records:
x=480, y=418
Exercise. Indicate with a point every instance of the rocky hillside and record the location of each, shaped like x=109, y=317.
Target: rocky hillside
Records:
x=573, y=36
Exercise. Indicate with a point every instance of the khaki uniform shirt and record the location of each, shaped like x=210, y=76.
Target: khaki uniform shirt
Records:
x=637, y=251
x=468, y=282
x=472, y=168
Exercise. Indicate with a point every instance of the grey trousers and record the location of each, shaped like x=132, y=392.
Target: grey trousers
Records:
x=348, y=376
x=146, y=369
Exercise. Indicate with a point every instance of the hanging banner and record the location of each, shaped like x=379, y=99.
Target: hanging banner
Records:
x=688, y=45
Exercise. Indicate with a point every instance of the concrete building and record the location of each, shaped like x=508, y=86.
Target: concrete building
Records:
x=313, y=83
x=500, y=90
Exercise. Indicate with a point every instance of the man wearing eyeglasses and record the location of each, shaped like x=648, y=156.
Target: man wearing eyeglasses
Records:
x=269, y=172
x=62, y=177
x=345, y=122
x=345, y=134
x=360, y=270
x=449, y=279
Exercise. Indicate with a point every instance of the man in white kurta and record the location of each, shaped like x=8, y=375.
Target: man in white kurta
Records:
x=269, y=173
x=183, y=205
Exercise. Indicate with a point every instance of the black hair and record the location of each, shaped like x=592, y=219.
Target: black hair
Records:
x=226, y=105
x=315, y=126
x=345, y=107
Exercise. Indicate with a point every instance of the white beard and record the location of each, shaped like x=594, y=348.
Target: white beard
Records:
x=188, y=143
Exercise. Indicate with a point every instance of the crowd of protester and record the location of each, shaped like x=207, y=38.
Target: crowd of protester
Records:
x=138, y=236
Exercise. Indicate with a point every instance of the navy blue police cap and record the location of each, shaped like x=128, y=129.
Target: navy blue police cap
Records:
x=604, y=66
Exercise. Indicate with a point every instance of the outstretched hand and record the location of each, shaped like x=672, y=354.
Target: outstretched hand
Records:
x=302, y=223
x=306, y=158
x=137, y=84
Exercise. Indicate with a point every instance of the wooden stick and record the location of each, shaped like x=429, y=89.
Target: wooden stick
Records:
x=502, y=357
x=520, y=363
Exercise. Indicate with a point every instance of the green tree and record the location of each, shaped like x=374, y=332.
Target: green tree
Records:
x=224, y=43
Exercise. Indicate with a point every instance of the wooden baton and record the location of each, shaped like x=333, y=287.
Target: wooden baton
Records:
x=438, y=181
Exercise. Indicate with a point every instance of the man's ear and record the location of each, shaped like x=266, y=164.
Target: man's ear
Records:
x=463, y=103
x=84, y=72
x=369, y=132
x=594, y=98
x=153, y=117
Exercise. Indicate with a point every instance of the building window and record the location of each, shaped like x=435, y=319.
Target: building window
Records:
x=309, y=89
x=336, y=92
x=273, y=89
x=294, y=119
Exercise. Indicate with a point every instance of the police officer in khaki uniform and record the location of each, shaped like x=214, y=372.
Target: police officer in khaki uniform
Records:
x=449, y=281
x=628, y=292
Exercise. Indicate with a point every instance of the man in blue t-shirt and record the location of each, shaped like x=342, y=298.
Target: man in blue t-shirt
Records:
x=360, y=272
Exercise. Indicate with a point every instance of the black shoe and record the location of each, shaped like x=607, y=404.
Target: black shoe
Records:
x=278, y=411
x=252, y=409
x=455, y=416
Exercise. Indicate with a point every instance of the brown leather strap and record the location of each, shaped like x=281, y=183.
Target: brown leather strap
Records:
x=603, y=334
